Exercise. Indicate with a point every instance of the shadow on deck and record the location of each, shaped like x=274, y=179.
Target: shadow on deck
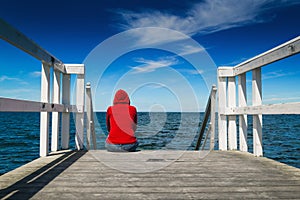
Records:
x=40, y=172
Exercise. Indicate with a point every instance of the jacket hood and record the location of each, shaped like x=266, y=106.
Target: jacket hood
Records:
x=121, y=97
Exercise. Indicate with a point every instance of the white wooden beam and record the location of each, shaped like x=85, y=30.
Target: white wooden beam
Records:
x=55, y=115
x=232, y=132
x=269, y=109
x=16, y=105
x=90, y=128
x=285, y=50
x=80, y=115
x=243, y=124
x=222, y=119
x=19, y=40
x=74, y=68
x=44, y=119
x=225, y=71
x=65, y=121
x=213, y=116
x=257, y=119
x=89, y=115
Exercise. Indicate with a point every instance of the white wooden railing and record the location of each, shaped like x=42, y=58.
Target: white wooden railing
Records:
x=229, y=92
x=210, y=111
x=61, y=85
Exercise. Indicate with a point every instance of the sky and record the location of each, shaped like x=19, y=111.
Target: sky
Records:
x=165, y=54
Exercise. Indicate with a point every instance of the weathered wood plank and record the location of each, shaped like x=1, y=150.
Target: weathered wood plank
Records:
x=74, y=68
x=269, y=109
x=189, y=175
x=28, y=169
x=167, y=195
x=282, y=51
x=16, y=105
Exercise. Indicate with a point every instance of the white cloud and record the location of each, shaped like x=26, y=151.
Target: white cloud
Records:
x=6, y=78
x=156, y=86
x=35, y=74
x=189, y=49
x=13, y=79
x=271, y=75
x=21, y=93
x=235, y=62
x=276, y=74
x=192, y=71
x=18, y=91
x=281, y=99
x=147, y=66
x=155, y=36
x=204, y=17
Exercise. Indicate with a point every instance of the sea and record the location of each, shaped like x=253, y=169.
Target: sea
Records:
x=19, y=135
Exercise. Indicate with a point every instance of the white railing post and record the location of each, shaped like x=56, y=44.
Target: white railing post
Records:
x=88, y=116
x=55, y=115
x=90, y=125
x=213, y=116
x=80, y=113
x=44, y=119
x=65, y=122
x=242, y=96
x=232, y=133
x=222, y=119
x=257, y=119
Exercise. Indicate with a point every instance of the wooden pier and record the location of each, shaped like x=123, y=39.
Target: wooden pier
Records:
x=164, y=174
x=145, y=175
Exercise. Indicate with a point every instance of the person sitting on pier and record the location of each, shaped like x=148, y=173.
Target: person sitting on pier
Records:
x=121, y=122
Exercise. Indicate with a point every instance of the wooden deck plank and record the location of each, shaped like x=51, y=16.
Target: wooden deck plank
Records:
x=152, y=175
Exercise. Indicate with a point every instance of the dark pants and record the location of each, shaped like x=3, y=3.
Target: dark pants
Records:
x=121, y=147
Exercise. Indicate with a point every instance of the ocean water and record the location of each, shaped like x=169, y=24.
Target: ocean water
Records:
x=19, y=135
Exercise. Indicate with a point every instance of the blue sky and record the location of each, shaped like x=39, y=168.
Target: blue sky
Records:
x=164, y=53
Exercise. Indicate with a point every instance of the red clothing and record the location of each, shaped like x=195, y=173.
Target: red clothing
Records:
x=121, y=120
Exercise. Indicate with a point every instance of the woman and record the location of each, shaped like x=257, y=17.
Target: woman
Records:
x=121, y=122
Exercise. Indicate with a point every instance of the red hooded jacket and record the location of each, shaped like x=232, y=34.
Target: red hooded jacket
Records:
x=121, y=120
